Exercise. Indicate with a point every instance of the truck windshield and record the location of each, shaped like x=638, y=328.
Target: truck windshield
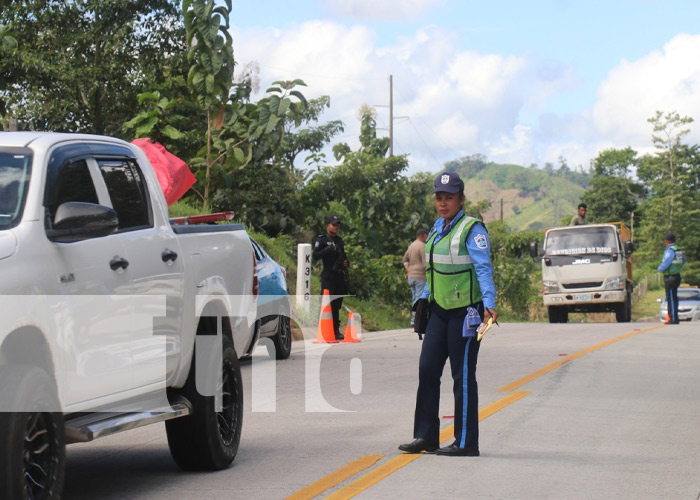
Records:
x=15, y=166
x=581, y=241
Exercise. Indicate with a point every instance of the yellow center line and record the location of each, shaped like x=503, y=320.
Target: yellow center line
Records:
x=375, y=475
x=542, y=371
x=337, y=477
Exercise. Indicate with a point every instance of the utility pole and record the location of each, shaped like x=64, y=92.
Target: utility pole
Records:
x=501, y=208
x=391, y=115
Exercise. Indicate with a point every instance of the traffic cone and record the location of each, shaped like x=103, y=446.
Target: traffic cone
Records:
x=326, y=333
x=351, y=329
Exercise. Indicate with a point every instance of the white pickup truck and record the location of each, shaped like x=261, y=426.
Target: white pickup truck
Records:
x=112, y=317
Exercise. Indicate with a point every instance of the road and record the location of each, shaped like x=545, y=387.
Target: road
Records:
x=572, y=411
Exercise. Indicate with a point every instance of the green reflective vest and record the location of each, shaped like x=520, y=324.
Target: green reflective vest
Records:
x=677, y=262
x=451, y=275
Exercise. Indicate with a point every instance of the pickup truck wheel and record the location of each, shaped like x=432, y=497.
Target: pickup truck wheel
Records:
x=207, y=439
x=282, y=339
x=32, y=444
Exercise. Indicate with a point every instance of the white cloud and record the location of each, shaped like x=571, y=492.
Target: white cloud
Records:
x=384, y=10
x=635, y=90
x=463, y=102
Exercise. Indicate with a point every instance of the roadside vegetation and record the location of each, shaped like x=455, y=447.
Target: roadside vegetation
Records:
x=264, y=159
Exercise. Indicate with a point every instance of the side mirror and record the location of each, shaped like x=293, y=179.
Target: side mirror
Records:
x=75, y=221
x=629, y=247
x=658, y=300
x=533, y=249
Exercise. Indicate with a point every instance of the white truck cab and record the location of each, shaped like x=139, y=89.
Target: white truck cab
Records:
x=586, y=268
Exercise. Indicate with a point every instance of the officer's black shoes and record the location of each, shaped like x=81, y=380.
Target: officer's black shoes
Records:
x=455, y=451
x=419, y=445
x=340, y=337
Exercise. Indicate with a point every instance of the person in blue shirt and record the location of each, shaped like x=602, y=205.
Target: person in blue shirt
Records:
x=461, y=295
x=671, y=267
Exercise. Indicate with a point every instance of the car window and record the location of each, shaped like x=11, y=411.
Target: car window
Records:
x=688, y=294
x=127, y=191
x=72, y=182
x=259, y=255
x=15, y=168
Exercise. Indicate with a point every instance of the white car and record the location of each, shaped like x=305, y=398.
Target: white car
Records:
x=688, y=305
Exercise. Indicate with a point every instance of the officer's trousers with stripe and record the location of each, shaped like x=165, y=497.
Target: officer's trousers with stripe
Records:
x=443, y=339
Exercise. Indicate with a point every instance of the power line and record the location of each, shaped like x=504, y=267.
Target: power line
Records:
x=328, y=77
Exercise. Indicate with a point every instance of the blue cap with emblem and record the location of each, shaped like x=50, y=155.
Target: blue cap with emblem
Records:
x=448, y=182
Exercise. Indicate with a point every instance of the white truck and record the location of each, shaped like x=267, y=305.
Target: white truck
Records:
x=112, y=317
x=586, y=268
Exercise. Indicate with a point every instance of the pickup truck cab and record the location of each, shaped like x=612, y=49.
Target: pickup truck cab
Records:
x=109, y=309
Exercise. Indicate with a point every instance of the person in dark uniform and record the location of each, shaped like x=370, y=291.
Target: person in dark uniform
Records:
x=671, y=267
x=461, y=296
x=330, y=249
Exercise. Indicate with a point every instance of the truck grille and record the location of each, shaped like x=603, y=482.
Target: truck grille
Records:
x=589, y=284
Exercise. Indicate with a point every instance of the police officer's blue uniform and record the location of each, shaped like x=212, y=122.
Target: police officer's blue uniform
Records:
x=444, y=339
x=673, y=261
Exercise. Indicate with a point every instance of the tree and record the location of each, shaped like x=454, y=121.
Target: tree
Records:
x=668, y=132
x=79, y=65
x=613, y=195
x=658, y=216
x=381, y=207
x=211, y=70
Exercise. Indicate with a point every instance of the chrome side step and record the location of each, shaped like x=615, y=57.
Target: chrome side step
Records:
x=96, y=425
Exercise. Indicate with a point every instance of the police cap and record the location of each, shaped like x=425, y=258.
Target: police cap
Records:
x=448, y=182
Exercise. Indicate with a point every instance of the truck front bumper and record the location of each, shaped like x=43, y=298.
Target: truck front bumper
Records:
x=584, y=298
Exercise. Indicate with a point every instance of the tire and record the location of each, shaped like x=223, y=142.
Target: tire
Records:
x=282, y=340
x=563, y=316
x=205, y=439
x=557, y=314
x=623, y=312
x=32, y=444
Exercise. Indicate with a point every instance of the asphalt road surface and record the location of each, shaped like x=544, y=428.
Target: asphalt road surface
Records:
x=589, y=411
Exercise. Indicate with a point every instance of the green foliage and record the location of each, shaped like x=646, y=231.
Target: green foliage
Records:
x=379, y=207
x=152, y=120
x=210, y=51
x=515, y=275
x=613, y=195
x=542, y=198
x=74, y=68
x=673, y=179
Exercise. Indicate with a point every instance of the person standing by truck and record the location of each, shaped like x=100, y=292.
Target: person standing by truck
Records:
x=580, y=218
x=671, y=267
x=330, y=249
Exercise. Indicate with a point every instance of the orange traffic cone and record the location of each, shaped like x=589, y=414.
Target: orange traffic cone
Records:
x=351, y=329
x=326, y=333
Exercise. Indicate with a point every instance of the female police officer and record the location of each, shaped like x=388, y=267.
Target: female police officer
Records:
x=462, y=295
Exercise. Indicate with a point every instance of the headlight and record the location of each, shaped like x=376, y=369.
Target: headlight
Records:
x=550, y=286
x=615, y=284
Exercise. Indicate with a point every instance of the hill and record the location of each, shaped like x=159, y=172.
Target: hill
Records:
x=531, y=198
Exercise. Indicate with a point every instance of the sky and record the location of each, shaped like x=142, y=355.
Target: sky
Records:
x=518, y=82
